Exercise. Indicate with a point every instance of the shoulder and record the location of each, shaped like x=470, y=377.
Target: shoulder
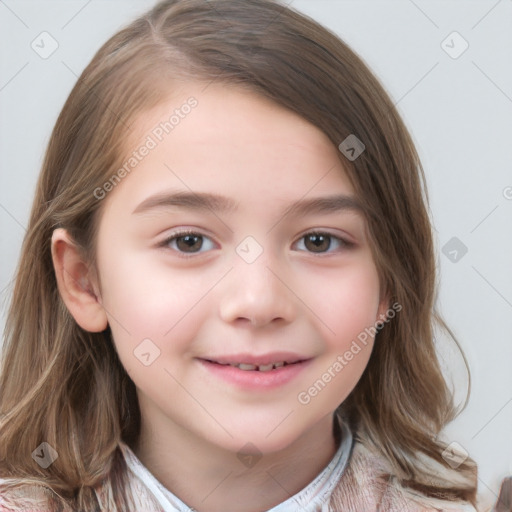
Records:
x=36, y=497
x=368, y=484
x=26, y=498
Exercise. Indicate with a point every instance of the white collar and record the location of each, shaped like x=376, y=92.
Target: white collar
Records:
x=313, y=498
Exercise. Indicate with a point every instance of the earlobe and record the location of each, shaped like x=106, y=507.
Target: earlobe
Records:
x=76, y=286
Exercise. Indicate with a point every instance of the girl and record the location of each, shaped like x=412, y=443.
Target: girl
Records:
x=225, y=295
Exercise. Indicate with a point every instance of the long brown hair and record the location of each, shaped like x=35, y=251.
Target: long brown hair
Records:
x=67, y=387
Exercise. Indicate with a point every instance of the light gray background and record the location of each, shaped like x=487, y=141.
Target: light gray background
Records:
x=459, y=111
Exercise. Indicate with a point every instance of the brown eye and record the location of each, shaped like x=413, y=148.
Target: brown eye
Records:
x=189, y=243
x=317, y=242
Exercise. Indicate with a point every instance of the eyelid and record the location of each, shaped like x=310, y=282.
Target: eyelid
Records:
x=164, y=244
x=345, y=241
x=344, y=237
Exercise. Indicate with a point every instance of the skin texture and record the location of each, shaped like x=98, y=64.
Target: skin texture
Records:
x=214, y=303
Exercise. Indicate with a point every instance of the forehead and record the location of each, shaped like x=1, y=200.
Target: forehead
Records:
x=220, y=137
x=223, y=112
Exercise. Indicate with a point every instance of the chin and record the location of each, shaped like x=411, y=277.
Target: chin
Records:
x=262, y=437
x=258, y=445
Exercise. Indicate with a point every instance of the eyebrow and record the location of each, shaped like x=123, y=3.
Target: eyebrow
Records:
x=187, y=200
x=221, y=204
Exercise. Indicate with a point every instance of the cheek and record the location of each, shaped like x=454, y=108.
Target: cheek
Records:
x=153, y=319
x=148, y=302
x=145, y=298
x=348, y=310
x=347, y=303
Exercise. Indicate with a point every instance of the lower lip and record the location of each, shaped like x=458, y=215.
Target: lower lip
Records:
x=254, y=379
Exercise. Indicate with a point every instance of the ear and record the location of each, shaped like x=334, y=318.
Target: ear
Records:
x=76, y=286
x=383, y=310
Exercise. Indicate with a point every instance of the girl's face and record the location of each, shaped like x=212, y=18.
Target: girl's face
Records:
x=236, y=239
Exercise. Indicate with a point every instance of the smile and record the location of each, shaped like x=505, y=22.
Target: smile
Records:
x=254, y=367
x=256, y=372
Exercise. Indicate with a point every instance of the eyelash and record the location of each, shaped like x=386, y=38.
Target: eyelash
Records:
x=342, y=243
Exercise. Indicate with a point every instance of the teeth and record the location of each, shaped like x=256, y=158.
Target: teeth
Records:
x=244, y=366
x=261, y=367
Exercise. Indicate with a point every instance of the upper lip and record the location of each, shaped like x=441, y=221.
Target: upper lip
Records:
x=257, y=360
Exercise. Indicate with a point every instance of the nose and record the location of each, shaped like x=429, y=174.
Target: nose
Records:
x=258, y=294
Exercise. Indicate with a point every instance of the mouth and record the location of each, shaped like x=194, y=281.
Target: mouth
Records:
x=256, y=372
x=248, y=367
x=257, y=363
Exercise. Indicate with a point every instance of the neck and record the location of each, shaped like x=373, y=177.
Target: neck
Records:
x=209, y=478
